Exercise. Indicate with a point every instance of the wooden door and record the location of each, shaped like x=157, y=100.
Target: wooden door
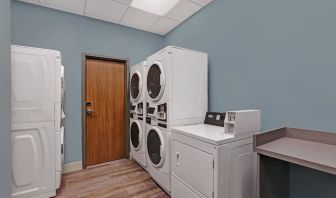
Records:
x=105, y=111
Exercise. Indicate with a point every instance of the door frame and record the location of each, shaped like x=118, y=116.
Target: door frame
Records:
x=125, y=61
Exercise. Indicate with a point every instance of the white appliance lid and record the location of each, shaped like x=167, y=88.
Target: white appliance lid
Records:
x=208, y=133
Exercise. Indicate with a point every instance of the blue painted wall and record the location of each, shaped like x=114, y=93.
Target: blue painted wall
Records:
x=5, y=100
x=72, y=34
x=277, y=56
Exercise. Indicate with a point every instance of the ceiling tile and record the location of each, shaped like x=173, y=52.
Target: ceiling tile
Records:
x=107, y=10
x=37, y=2
x=127, y=2
x=183, y=10
x=163, y=26
x=201, y=2
x=74, y=6
x=139, y=19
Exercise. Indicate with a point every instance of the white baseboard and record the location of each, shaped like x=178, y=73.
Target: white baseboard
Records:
x=71, y=167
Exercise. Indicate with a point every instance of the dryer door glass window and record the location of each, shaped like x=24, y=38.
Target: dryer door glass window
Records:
x=153, y=146
x=135, y=132
x=135, y=80
x=153, y=81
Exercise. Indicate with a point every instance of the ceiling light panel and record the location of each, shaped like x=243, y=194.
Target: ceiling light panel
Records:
x=158, y=7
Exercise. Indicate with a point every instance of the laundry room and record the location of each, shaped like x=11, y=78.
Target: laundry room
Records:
x=167, y=98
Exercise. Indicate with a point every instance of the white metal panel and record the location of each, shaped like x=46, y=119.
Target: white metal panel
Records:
x=202, y=2
x=190, y=84
x=236, y=170
x=139, y=19
x=74, y=6
x=35, y=74
x=58, y=179
x=33, y=159
x=58, y=116
x=62, y=149
x=106, y=10
x=193, y=166
x=58, y=158
x=164, y=25
x=180, y=191
x=183, y=10
x=58, y=146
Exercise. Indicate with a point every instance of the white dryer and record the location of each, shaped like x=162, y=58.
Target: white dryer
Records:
x=177, y=87
x=137, y=115
x=177, y=94
x=137, y=88
x=158, y=155
x=36, y=122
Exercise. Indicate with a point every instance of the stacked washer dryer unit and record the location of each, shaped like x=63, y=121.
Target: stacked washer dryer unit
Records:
x=177, y=94
x=37, y=129
x=137, y=115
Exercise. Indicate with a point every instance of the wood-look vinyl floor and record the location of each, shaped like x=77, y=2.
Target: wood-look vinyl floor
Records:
x=118, y=179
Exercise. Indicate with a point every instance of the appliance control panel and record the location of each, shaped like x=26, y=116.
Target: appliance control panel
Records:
x=215, y=118
x=157, y=115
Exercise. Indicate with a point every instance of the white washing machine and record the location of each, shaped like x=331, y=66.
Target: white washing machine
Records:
x=207, y=161
x=60, y=136
x=138, y=141
x=137, y=114
x=177, y=87
x=158, y=155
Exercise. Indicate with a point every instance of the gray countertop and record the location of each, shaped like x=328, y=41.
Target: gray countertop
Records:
x=313, y=149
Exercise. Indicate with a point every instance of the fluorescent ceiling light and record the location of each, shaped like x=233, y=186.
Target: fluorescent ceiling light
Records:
x=158, y=7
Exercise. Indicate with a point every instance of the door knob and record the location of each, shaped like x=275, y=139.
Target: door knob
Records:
x=89, y=112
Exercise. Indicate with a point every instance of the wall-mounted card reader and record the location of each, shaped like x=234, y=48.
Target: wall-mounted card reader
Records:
x=240, y=122
x=162, y=112
x=140, y=109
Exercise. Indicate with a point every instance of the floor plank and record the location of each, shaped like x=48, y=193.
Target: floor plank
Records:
x=118, y=179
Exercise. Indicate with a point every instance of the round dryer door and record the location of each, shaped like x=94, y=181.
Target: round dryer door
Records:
x=136, y=135
x=155, y=81
x=136, y=85
x=156, y=147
